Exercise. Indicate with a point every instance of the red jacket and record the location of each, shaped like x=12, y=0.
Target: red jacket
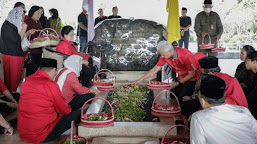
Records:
x=40, y=108
x=234, y=94
x=182, y=62
x=71, y=86
x=67, y=47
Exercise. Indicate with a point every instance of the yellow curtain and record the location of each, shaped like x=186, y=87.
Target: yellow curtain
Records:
x=173, y=25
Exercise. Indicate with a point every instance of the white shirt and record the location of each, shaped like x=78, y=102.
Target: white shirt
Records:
x=224, y=124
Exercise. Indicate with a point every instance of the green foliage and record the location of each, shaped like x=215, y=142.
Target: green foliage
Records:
x=127, y=103
x=76, y=141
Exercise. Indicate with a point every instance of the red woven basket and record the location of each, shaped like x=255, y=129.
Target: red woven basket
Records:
x=73, y=137
x=159, y=85
x=219, y=49
x=167, y=110
x=104, y=84
x=175, y=139
x=205, y=46
x=87, y=123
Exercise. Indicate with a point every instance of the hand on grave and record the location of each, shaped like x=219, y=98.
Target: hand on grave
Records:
x=137, y=82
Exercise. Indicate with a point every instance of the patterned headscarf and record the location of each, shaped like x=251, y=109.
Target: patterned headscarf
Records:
x=15, y=18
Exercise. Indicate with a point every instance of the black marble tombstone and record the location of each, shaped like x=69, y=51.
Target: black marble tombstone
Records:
x=128, y=45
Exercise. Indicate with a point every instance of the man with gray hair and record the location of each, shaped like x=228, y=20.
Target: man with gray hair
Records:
x=220, y=123
x=183, y=62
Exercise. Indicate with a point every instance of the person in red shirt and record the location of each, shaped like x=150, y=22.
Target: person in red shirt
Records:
x=67, y=47
x=43, y=114
x=67, y=78
x=183, y=62
x=234, y=93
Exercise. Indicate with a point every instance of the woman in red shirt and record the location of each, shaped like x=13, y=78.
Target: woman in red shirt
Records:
x=67, y=47
x=73, y=92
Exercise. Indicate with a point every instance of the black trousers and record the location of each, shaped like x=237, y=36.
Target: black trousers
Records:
x=187, y=89
x=63, y=125
x=3, y=106
x=4, y=109
x=34, y=64
x=78, y=101
x=189, y=107
x=87, y=74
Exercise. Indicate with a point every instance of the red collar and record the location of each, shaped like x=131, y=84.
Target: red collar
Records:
x=44, y=74
x=65, y=40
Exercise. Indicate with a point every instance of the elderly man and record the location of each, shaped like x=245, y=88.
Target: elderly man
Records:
x=183, y=62
x=43, y=114
x=220, y=123
x=208, y=22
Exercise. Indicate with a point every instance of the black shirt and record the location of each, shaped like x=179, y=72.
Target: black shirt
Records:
x=245, y=76
x=113, y=16
x=82, y=18
x=10, y=41
x=184, y=22
x=99, y=19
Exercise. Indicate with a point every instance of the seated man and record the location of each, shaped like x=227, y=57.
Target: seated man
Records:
x=220, y=123
x=233, y=94
x=43, y=114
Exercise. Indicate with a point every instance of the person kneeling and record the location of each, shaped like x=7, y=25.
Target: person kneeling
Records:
x=67, y=79
x=43, y=114
x=220, y=123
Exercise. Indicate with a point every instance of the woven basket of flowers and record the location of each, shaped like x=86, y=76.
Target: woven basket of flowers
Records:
x=97, y=119
x=156, y=85
x=183, y=138
x=166, y=110
x=107, y=84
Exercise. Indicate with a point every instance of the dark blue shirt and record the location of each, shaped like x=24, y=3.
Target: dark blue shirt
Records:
x=184, y=22
x=82, y=18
